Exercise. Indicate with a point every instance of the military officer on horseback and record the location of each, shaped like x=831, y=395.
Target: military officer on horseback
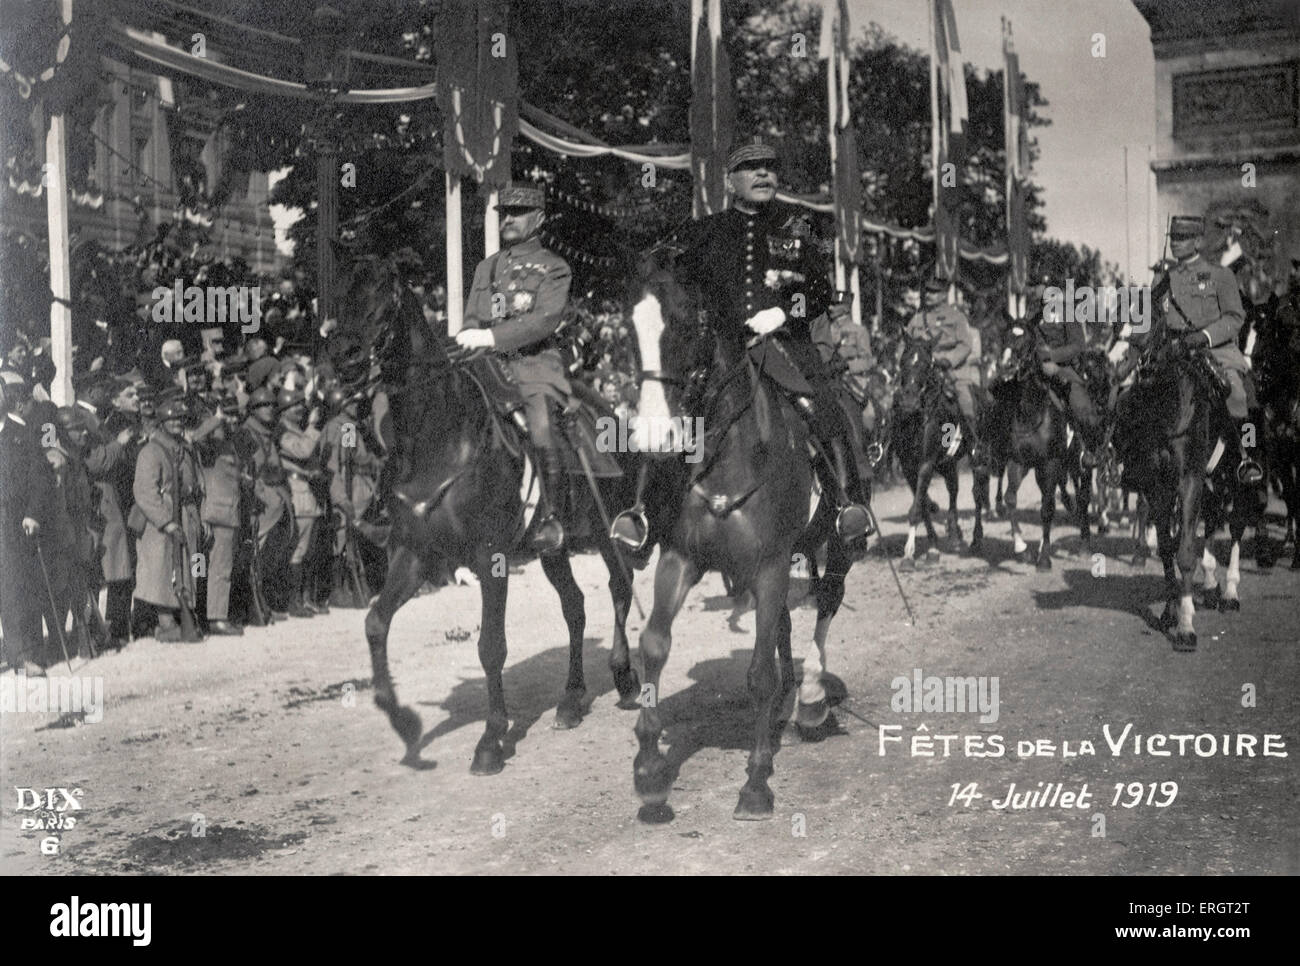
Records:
x=948, y=330
x=1061, y=340
x=761, y=271
x=1203, y=310
x=516, y=303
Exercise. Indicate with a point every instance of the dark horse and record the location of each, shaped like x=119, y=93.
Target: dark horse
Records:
x=1163, y=438
x=742, y=509
x=453, y=493
x=1090, y=450
x=1280, y=395
x=925, y=436
x=1025, y=430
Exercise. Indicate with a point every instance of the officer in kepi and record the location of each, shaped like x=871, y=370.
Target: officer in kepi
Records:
x=762, y=271
x=1203, y=310
x=516, y=303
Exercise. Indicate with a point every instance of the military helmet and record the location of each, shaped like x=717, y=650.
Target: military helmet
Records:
x=174, y=408
x=262, y=396
x=289, y=398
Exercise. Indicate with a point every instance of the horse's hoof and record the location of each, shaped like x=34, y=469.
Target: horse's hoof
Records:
x=1168, y=619
x=1185, y=641
x=932, y=555
x=755, y=804
x=976, y=546
x=1295, y=563
x=569, y=712
x=488, y=760
x=1229, y=604
x=629, y=689
x=650, y=778
x=1027, y=556
x=1140, y=560
x=812, y=715
x=1044, y=561
x=907, y=564
x=1211, y=598
x=954, y=545
x=657, y=814
x=1103, y=529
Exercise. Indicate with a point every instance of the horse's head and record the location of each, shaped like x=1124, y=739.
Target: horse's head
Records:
x=914, y=371
x=1017, y=350
x=673, y=347
x=378, y=308
x=1097, y=422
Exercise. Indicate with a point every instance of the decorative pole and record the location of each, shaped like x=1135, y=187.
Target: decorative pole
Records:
x=56, y=208
x=326, y=65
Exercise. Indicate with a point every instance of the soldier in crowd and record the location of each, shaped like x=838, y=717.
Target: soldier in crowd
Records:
x=516, y=303
x=299, y=455
x=273, y=501
x=352, y=464
x=221, y=513
x=116, y=479
x=165, y=549
x=948, y=330
x=25, y=487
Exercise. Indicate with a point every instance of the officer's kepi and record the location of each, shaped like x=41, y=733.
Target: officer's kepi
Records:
x=520, y=197
x=1186, y=226
x=753, y=154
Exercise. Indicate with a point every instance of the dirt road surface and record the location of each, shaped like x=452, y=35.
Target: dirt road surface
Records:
x=265, y=754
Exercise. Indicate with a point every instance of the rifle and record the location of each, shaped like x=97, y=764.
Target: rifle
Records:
x=352, y=589
x=259, y=611
x=180, y=555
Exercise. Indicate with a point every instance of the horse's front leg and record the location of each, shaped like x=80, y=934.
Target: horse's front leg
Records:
x=919, y=513
x=1190, y=507
x=770, y=585
x=489, y=757
x=1083, y=508
x=404, y=576
x=1049, y=476
x=620, y=654
x=674, y=577
x=1014, y=474
x=560, y=573
x=980, y=488
x=814, y=709
x=953, y=534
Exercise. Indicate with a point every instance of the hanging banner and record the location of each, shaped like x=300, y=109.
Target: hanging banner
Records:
x=478, y=89
x=712, y=116
x=950, y=120
x=1017, y=163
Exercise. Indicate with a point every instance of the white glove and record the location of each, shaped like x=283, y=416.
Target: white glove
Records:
x=1118, y=351
x=475, y=339
x=768, y=320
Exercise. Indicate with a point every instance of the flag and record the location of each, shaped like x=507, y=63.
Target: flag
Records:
x=949, y=117
x=478, y=89
x=847, y=176
x=1017, y=163
x=712, y=118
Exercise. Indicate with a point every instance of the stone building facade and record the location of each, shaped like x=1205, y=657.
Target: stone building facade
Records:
x=1227, y=139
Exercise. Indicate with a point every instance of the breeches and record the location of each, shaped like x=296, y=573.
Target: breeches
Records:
x=966, y=401
x=538, y=416
x=1237, y=407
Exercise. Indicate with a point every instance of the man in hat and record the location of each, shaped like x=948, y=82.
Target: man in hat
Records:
x=516, y=303
x=761, y=270
x=166, y=548
x=1203, y=311
x=299, y=455
x=271, y=507
x=953, y=344
x=26, y=483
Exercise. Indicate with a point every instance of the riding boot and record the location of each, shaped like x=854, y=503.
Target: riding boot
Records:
x=297, y=593
x=1249, y=472
x=853, y=520
x=549, y=534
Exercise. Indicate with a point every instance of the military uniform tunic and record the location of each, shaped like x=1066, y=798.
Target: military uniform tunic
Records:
x=520, y=293
x=948, y=330
x=1204, y=297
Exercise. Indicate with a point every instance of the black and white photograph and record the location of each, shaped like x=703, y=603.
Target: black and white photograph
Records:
x=627, y=438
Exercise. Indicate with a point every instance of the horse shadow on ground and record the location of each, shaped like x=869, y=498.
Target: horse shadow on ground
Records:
x=716, y=711
x=533, y=687
x=1131, y=594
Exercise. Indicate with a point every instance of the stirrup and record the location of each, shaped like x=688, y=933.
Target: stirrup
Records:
x=875, y=453
x=544, y=544
x=630, y=529
x=1249, y=472
x=854, y=522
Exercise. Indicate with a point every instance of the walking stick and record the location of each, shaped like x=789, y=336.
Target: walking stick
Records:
x=56, y=618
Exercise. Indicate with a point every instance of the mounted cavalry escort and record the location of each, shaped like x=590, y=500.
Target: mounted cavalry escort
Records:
x=936, y=416
x=453, y=484
x=722, y=320
x=1166, y=422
